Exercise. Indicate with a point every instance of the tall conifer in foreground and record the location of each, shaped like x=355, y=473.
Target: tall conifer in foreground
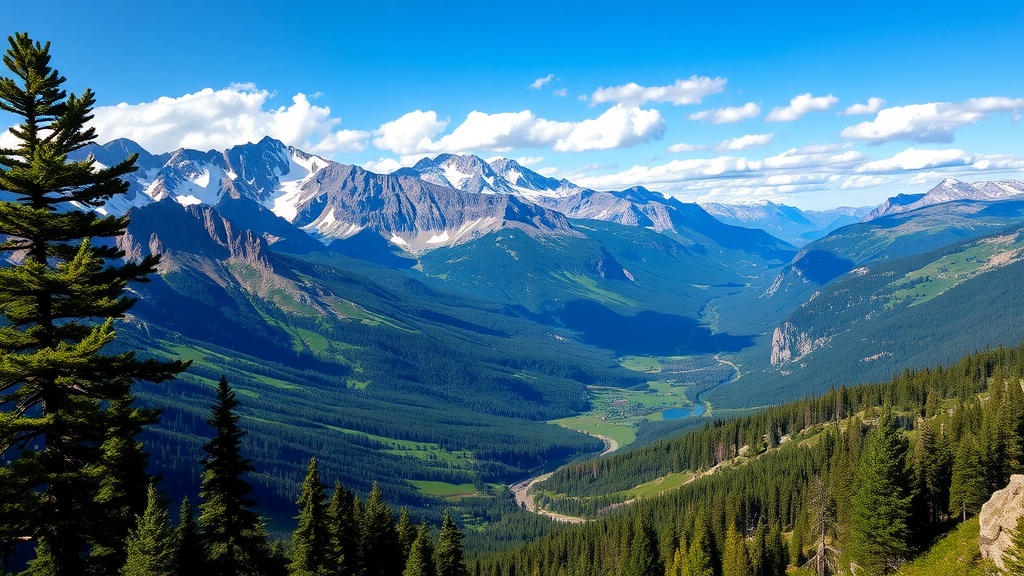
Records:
x=420, y=560
x=58, y=303
x=882, y=506
x=311, y=541
x=232, y=534
x=378, y=540
x=448, y=553
x=152, y=546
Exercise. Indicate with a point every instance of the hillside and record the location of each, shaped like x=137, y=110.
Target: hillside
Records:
x=758, y=476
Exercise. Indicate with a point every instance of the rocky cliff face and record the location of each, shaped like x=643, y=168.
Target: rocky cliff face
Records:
x=789, y=344
x=999, y=518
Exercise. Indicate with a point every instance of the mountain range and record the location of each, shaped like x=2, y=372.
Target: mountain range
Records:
x=428, y=324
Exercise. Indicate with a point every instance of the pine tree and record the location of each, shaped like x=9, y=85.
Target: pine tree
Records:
x=734, y=560
x=152, y=547
x=189, y=560
x=1013, y=558
x=311, y=541
x=448, y=554
x=967, y=488
x=703, y=553
x=123, y=482
x=882, y=505
x=378, y=541
x=407, y=532
x=58, y=306
x=642, y=558
x=233, y=535
x=421, y=554
x=343, y=525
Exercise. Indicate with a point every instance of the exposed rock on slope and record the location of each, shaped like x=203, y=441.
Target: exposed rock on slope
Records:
x=999, y=518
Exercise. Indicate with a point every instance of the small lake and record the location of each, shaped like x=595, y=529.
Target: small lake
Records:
x=679, y=413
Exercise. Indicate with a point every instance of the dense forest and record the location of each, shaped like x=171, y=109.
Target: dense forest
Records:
x=865, y=476
x=858, y=480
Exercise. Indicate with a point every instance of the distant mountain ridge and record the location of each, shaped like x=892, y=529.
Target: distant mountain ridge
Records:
x=949, y=190
x=443, y=201
x=796, y=226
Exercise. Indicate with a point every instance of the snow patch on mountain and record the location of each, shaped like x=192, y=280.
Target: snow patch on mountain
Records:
x=301, y=168
x=950, y=190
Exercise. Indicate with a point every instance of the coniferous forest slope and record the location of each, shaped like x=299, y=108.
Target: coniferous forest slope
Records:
x=429, y=343
x=347, y=339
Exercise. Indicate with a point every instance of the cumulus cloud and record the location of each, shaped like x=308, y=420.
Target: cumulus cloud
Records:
x=218, y=119
x=932, y=122
x=800, y=105
x=413, y=132
x=916, y=159
x=541, y=82
x=726, y=115
x=618, y=127
x=561, y=92
x=858, y=182
x=872, y=106
x=683, y=147
x=745, y=142
x=682, y=92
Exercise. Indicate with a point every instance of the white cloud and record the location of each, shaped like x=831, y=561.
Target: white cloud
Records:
x=672, y=172
x=800, y=105
x=529, y=160
x=858, y=182
x=561, y=92
x=745, y=142
x=726, y=115
x=917, y=159
x=219, y=119
x=683, y=147
x=682, y=92
x=541, y=82
x=872, y=106
x=382, y=165
x=617, y=127
x=8, y=139
x=413, y=132
x=582, y=97
x=932, y=122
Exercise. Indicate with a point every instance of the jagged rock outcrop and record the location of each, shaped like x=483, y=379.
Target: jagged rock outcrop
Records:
x=999, y=518
x=790, y=344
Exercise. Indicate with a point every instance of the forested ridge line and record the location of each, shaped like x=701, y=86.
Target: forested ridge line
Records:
x=870, y=476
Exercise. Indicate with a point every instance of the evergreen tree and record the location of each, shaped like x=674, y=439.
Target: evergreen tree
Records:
x=58, y=304
x=311, y=541
x=123, y=481
x=967, y=489
x=343, y=525
x=1013, y=557
x=882, y=505
x=421, y=554
x=448, y=554
x=232, y=534
x=190, y=554
x=407, y=532
x=642, y=558
x=735, y=561
x=152, y=547
x=378, y=541
x=703, y=553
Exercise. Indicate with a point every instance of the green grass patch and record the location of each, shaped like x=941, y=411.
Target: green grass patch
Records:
x=622, y=433
x=646, y=364
x=445, y=490
x=616, y=412
x=424, y=451
x=663, y=484
x=954, y=554
x=947, y=272
x=589, y=288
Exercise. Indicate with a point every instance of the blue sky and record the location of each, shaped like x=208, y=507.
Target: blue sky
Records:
x=814, y=104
